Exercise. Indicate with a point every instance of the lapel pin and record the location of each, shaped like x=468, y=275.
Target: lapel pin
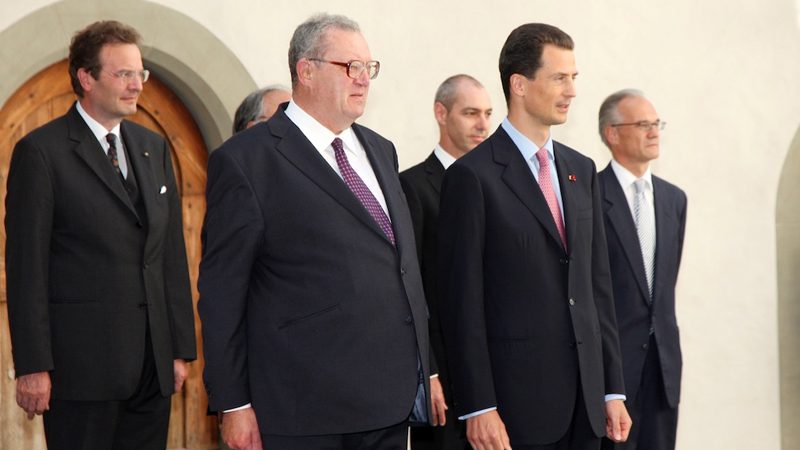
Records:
x=146, y=154
x=163, y=189
x=572, y=177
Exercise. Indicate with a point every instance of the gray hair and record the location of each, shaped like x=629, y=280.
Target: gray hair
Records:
x=609, y=112
x=307, y=40
x=448, y=90
x=252, y=105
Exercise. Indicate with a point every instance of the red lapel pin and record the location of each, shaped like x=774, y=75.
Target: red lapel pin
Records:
x=572, y=177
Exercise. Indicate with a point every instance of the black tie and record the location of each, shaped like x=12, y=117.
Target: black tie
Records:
x=112, y=154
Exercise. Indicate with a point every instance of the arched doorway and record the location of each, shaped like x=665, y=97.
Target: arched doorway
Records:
x=48, y=95
x=787, y=227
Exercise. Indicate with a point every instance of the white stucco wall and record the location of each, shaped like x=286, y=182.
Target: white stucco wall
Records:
x=724, y=74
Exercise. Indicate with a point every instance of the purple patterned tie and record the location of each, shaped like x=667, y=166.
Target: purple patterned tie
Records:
x=361, y=191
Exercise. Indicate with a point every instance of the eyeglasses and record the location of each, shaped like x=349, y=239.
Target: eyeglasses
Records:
x=643, y=125
x=129, y=75
x=355, y=67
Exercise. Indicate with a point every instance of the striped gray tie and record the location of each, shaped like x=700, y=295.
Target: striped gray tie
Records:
x=646, y=229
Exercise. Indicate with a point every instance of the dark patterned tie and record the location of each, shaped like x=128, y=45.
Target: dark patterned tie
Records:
x=361, y=191
x=112, y=153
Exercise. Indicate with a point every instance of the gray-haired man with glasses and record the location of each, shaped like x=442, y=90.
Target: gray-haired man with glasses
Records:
x=645, y=219
x=314, y=318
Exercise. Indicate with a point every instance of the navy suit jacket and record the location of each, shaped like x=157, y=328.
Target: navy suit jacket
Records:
x=86, y=274
x=309, y=312
x=527, y=324
x=636, y=316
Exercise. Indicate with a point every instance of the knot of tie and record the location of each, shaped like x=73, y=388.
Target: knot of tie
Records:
x=640, y=185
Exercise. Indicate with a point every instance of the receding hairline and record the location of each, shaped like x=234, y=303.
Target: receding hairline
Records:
x=449, y=90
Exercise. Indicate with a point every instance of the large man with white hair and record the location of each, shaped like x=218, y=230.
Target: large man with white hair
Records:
x=314, y=319
x=645, y=219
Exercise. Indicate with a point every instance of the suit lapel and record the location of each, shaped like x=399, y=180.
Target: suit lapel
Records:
x=386, y=174
x=564, y=172
x=518, y=177
x=435, y=172
x=90, y=151
x=619, y=215
x=664, y=227
x=297, y=149
x=139, y=161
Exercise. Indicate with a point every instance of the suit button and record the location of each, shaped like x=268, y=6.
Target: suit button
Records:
x=409, y=319
x=571, y=302
x=644, y=346
x=564, y=260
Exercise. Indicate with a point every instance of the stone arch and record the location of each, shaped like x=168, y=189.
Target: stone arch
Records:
x=175, y=47
x=787, y=222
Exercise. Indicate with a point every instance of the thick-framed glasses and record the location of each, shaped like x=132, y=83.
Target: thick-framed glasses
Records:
x=355, y=67
x=129, y=75
x=643, y=125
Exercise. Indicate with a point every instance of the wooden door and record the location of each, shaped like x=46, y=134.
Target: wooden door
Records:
x=44, y=97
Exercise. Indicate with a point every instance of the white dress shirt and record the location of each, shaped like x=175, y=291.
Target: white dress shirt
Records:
x=321, y=138
x=445, y=158
x=100, y=133
x=626, y=180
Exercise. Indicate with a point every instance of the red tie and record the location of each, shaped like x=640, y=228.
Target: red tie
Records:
x=546, y=185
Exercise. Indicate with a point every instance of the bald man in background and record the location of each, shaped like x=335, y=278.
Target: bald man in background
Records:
x=462, y=108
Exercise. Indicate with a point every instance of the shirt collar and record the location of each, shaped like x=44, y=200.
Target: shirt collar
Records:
x=525, y=145
x=445, y=158
x=98, y=130
x=319, y=136
x=626, y=178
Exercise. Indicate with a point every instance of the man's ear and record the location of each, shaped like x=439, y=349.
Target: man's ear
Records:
x=86, y=79
x=305, y=71
x=440, y=112
x=518, y=85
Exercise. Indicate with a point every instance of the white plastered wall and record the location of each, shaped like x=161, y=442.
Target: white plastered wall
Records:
x=724, y=74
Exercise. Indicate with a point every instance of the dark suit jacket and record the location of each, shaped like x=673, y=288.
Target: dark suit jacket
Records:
x=635, y=314
x=309, y=312
x=526, y=324
x=421, y=185
x=85, y=273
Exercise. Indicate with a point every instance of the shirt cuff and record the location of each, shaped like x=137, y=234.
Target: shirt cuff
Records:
x=477, y=413
x=249, y=405
x=435, y=375
x=610, y=397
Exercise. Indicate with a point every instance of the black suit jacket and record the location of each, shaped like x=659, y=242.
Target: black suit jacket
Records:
x=309, y=312
x=422, y=184
x=85, y=273
x=527, y=324
x=635, y=314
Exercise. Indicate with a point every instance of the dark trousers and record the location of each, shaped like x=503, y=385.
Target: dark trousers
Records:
x=390, y=438
x=138, y=423
x=655, y=423
x=579, y=435
x=452, y=436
